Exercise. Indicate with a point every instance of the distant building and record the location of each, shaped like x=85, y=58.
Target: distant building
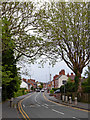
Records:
x=71, y=77
x=30, y=83
x=24, y=84
x=60, y=79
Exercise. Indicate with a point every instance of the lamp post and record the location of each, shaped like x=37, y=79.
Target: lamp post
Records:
x=64, y=82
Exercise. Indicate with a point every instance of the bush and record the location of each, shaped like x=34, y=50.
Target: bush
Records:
x=51, y=91
x=87, y=89
x=55, y=89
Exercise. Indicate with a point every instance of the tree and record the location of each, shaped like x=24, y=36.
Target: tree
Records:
x=64, y=28
x=10, y=78
x=17, y=19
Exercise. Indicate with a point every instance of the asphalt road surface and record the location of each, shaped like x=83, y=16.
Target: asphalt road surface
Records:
x=37, y=106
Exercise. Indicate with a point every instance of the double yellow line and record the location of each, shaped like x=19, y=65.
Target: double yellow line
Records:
x=25, y=116
x=64, y=105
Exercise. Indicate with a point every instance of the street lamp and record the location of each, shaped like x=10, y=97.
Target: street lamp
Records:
x=64, y=82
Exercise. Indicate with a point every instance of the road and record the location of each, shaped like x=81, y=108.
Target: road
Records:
x=37, y=106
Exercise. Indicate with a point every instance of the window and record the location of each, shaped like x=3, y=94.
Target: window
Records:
x=64, y=82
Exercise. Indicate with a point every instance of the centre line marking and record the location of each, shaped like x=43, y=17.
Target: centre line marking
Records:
x=58, y=111
x=45, y=106
x=23, y=105
x=75, y=118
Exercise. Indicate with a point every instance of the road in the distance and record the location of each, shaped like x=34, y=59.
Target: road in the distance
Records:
x=36, y=106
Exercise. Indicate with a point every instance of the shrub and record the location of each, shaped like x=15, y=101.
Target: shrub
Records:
x=51, y=91
x=87, y=89
x=55, y=89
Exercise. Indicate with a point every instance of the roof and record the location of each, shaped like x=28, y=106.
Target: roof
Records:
x=26, y=82
x=72, y=77
x=59, y=77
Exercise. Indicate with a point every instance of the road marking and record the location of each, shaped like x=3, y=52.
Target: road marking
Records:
x=21, y=109
x=64, y=105
x=46, y=104
x=58, y=111
x=38, y=105
x=23, y=105
x=75, y=118
x=36, y=99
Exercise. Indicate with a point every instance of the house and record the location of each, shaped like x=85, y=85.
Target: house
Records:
x=71, y=77
x=24, y=84
x=60, y=79
x=30, y=83
x=55, y=82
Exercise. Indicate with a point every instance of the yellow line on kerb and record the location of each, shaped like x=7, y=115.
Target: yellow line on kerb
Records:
x=64, y=105
x=21, y=109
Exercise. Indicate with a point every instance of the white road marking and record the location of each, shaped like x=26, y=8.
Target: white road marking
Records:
x=36, y=99
x=38, y=105
x=46, y=104
x=58, y=111
x=75, y=118
x=23, y=105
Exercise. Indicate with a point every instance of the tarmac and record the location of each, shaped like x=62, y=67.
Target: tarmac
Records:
x=9, y=113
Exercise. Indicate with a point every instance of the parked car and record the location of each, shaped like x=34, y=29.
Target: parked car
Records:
x=57, y=91
x=42, y=90
x=37, y=90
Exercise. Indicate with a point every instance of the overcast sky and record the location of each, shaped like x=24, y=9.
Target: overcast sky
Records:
x=43, y=74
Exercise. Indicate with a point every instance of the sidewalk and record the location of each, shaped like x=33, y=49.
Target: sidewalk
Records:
x=80, y=105
x=11, y=112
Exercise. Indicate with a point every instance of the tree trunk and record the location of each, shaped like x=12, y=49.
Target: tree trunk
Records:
x=78, y=74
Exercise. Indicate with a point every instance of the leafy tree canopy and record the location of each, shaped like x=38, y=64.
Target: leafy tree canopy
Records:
x=64, y=28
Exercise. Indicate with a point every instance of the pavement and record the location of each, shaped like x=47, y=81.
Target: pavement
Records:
x=80, y=105
x=12, y=112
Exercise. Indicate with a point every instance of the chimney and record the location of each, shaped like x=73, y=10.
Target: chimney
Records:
x=24, y=79
x=63, y=72
x=72, y=74
x=60, y=73
x=68, y=75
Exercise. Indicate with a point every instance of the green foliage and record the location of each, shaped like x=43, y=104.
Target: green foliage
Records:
x=69, y=87
x=65, y=26
x=86, y=89
x=20, y=92
x=62, y=89
x=55, y=89
x=32, y=88
x=86, y=83
x=51, y=91
x=76, y=82
x=10, y=78
x=41, y=85
x=16, y=19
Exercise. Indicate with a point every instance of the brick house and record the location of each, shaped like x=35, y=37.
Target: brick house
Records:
x=71, y=77
x=30, y=83
x=61, y=78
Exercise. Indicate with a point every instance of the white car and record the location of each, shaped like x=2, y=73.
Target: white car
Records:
x=42, y=90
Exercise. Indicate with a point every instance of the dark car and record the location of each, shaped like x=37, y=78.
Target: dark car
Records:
x=57, y=91
x=37, y=90
x=42, y=90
